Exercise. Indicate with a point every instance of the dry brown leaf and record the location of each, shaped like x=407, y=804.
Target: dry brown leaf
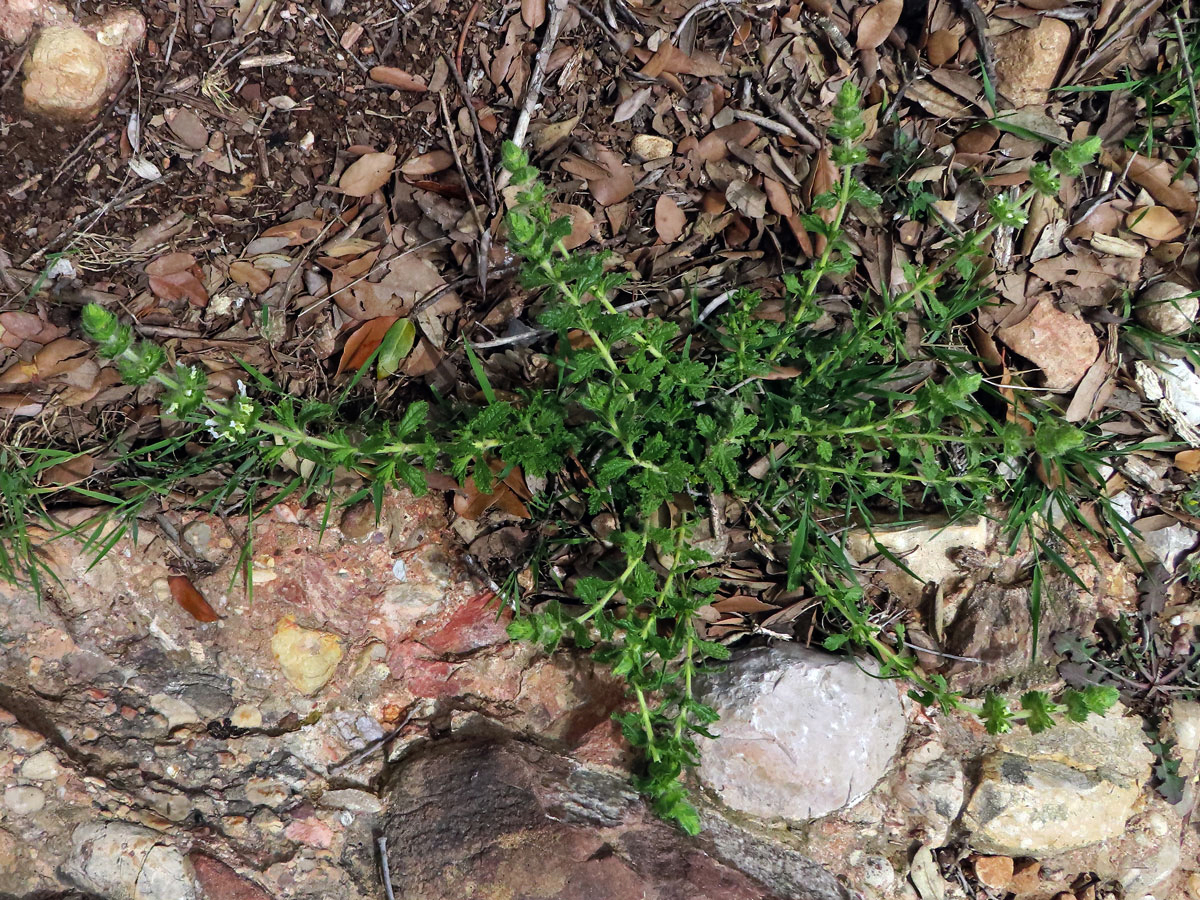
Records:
x=244, y=272
x=185, y=594
x=171, y=264
x=72, y=471
x=941, y=46
x=617, y=183
x=877, y=23
x=19, y=405
x=398, y=78
x=715, y=145
x=428, y=163
x=297, y=231
x=17, y=326
x=186, y=126
x=669, y=219
x=628, y=108
x=159, y=232
x=364, y=342
x=367, y=174
x=670, y=60
x=746, y=199
x=582, y=168
x=178, y=286
x=176, y=276
x=1155, y=222
x=778, y=197
x=533, y=12
x=547, y=137
x=1093, y=391
x=406, y=278
x=471, y=503
x=582, y=223
x=1155, y=175
x=1188, y=461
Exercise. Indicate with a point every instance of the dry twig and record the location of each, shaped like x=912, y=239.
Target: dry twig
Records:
x=555, y=11
x=485, y=156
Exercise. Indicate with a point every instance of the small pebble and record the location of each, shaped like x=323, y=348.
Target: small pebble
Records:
x=23, y=800
x=41, y=767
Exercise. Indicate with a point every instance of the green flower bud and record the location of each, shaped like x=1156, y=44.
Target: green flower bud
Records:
x=1054, y=439
x=996, y=715
x=102, y=327
x=184, y=399
x=98, y=323
x=1071, y=159
x=1044, y=180
x=147, y=359
x=1007, y=212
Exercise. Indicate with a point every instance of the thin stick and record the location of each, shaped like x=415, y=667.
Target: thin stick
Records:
x=374, y=745
x=787, y=117
x=483, y=243
x=836, y=38
x=695, y=11
x=556, y=9
x=485, y=156
x=387, y=868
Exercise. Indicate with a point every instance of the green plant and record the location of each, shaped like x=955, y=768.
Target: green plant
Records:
x=1168, y=91
x=648, y=421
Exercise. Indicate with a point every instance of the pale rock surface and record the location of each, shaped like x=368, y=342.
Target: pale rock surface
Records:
x=41, y=767
x=1169, y=545
x=929, y=789
x=308, y=657
x=802, y=733
x=1062, y=345
x=1066, y=788
x=1185, y=722
x=1175, y=389
x=127, y=862
x=18, y=18
x=923, y=546
x=71, y=69
x=23, y=799
x=1028, y=60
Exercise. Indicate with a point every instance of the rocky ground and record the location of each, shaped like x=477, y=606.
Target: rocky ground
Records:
x=368, y=691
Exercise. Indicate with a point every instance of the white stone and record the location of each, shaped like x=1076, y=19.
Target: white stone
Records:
x=246, y=716
x=41, y=767
x=23, y=799
x=121, y=861
x=352, y=800
x=1170, y=544
x=23, y=740
x=801, y=734
x=178, y=712
x=1185, y=719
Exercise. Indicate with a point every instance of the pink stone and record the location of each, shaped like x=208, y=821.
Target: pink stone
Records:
x=312, y=832
x=473, y=625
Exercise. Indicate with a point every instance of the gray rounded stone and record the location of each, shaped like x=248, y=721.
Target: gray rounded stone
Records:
x=802, y=733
